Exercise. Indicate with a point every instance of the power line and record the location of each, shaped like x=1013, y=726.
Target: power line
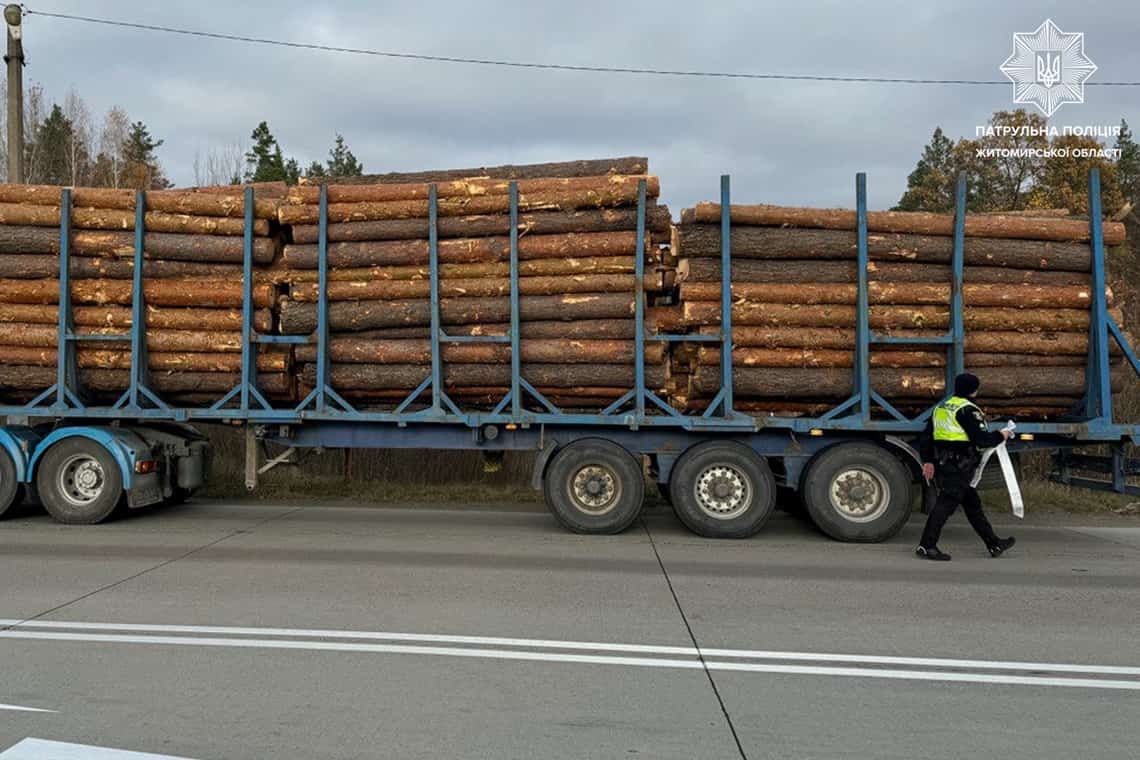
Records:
x=531, y=65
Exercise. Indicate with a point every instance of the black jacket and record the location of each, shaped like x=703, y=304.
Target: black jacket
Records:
x=974, y=423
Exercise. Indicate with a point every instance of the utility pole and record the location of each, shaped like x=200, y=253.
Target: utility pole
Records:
x=13, y=15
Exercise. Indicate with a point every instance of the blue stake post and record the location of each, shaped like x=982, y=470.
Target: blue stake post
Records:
x=1100, y=401
x=65, y=351
x=862, y=316
x=639, y=309
x=726, y=294
x=323, y=302
x=248, y=362
x=433, y=274
x=516, y=357
x=957, y=357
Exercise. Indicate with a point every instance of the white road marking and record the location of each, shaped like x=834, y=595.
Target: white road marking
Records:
x=41, y=749
x=492, y=641
x=506, y=654
x=21, y=708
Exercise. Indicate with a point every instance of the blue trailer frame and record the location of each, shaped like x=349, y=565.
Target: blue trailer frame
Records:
x=320, y=419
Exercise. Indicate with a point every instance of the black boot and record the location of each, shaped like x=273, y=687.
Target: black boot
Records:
x=1002, y=546
x=933, y=553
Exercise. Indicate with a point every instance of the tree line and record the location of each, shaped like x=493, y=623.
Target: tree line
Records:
x=65, y=145
x=1017, y=167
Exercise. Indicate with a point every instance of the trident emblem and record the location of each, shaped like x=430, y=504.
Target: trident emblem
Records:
x=1048, y=68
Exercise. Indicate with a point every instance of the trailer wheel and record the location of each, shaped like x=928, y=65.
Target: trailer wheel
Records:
x=594, y=486
x=79, y=482
x=858, y=492
x=723, y=490
x=9, y=488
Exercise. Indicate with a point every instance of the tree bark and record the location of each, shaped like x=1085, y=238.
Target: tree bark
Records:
x=882, y=293
x=120, y=317
x=823, y=271
x=161, y=340
x=700, y=240
x=25, y=377
x=171, y=362
x=918, y=222
x=189, y=293
x=589, y=168
x=527, y=268
x=657, y=221
x=350, y=377
x=115, y=219
x=308, y=195
x=464, y=250
x=195, y=202
x=1002, y=341
x=806, y=384
x=791, y=357
x=475, y=288
x=553, y=351
x=582, y=329
x=200, y=248
x=699, y=313
x=301, y=318
x=612, y=195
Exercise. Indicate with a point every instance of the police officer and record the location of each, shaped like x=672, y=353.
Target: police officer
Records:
x=950, y=452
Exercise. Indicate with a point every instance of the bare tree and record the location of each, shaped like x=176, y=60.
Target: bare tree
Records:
x=220, y=165
x=4, y=129
x=80, y=147
x=35, y=111
x=116, y=127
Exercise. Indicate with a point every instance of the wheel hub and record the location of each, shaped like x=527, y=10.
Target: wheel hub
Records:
x=860, y=495
x=81, y=480
x=723, y=492
x=595, y=489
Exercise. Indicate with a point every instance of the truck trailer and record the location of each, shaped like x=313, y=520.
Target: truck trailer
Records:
x=855, y=467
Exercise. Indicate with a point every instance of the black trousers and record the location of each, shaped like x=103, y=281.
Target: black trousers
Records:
x=953, y=483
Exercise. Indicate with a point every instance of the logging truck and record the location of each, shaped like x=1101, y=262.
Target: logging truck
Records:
x=720, y=463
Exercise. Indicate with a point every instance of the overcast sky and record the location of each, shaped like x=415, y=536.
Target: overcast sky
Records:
x=783, y=142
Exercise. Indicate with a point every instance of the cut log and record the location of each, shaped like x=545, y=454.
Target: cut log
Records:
x=464, y=250
x=609, y=196
x=35, y=266
x=12, y=376
x=590, y=168
x=194, y=202
x=201, y=248
x=700, y=313
x=190, y=293
x=473, y=288
x=528, y=268
x=931, y=293
x=478, y=187
x=301, y=318
x=817, y=271
x=115, y=219
x=695, y=241
x=582, y=329
x=657, y=221
x=553, y=351
x=1005, y=341
x=391, y=376
x=790, y=357
x=915, y=222
x=120, y=316
x=103, y=359
x=158, y=340
x=805, y=384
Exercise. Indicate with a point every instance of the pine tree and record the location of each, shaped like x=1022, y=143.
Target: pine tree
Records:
x=53, y=139
x=264, y=161
x=930, y=187
x=1128, y=164
x=341, y=161
x=316, y=169
x=141, y=168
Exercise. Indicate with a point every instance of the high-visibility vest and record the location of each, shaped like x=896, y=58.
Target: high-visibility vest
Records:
x=946, y=427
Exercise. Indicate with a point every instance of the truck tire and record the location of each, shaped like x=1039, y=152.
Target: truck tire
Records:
x=723, y=490
x=858, y=492
x=10, y=490
x=594, y=486
x=79, y=482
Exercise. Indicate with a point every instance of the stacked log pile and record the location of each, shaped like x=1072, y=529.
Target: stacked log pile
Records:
x=193, y=287
x=1026, y=293
x=577, y=248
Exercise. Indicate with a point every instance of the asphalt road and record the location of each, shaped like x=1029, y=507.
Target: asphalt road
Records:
x=215, y=631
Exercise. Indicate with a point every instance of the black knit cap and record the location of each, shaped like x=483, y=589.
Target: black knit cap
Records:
x=966, y=385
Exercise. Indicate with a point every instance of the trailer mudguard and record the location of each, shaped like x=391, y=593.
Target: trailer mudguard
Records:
x=126, y=447
x=19, y=441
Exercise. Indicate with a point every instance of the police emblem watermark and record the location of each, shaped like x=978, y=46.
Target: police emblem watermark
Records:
x=1048, y=68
